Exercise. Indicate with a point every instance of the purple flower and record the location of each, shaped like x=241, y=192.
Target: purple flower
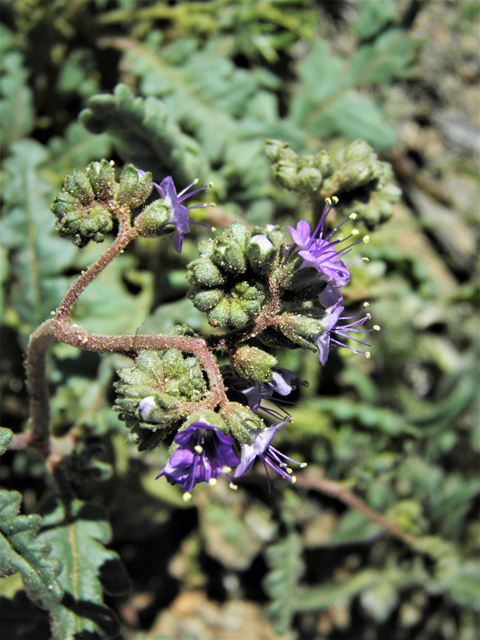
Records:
x=283, y=382
x=320, y=252
x=179, y=213
x=202, y=455
x=271, y=457
x=332, y=327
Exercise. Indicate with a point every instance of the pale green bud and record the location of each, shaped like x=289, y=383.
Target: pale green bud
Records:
x=253, y=364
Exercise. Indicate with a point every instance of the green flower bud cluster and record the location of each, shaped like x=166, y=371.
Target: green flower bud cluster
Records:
x=86, y=206
x=153, y=394
x=305, y=174
x=228, y=278
x=354, y=168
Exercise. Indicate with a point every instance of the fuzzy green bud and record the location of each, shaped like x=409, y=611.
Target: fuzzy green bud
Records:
x=241, y=421
x=253, y=364
x=81, y=224
x=134, y=189
x=154, y=220
x=202, y=272
x=78, y=185
x=101, y=176
x=301, y=329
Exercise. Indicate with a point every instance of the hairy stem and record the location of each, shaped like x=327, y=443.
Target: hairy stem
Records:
x=125, y=235
x=339, y=491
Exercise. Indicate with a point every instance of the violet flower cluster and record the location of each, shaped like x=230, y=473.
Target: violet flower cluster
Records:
x=202, y=452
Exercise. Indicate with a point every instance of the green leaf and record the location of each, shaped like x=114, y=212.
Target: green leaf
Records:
x=281, y=583
x=16, y=103
x=5, y=436
x=38, y=256
x=22, y=550
x=145, y=134
x=76, y=149
x=388, y=58
x=373, y=16
x=355, y=116
x=77, y=536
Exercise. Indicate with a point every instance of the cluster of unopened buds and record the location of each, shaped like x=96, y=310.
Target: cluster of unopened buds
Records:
x=253, y=285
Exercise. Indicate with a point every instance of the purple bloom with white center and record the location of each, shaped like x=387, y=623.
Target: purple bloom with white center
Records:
x=203, y=454
x=271, y=457
x=321, y=252
x=331, y=325
x=179, y=213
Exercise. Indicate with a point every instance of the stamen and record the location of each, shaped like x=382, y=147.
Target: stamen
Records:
x=198, y=448
x=353, y=216
x=232, y=486
x=367, y=354
x=366, y=239
x=328, y=201
x=376, y=327
x=212, y=482
x=335, y=199
x=355, y=232
x=187, y=496
x=226, y=469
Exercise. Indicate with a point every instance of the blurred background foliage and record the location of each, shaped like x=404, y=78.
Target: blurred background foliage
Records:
x=194, y=89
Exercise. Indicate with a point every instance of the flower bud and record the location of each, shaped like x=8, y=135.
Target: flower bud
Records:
x=301, y=329
x=154, y=220
x=261, y=253
x=134, y=188
x=78, y=185
x=253, y=364
x=102, y=179
x=81, y=224
x=241, y=421
x=202, y=272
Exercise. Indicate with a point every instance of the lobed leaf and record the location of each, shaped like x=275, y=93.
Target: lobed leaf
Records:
x=21, y=549
x=77, y=535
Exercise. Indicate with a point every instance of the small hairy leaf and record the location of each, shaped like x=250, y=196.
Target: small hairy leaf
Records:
x=22, y=550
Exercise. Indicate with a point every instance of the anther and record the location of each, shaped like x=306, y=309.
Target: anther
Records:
x=210, y=184
x=303, y=465
x=212, y=482
x=340, y=237
x=366, y=304
x=187, y=496
x=353, y=216
x=335, y=199
x=232, y=486
x=376, y=327
x=226, y=469
x=198, y=448
x=355, y=232
x=365, y=259
x=367, y=354
x=328, y=201
x=366, y=239
x=112, y=163
x=293, y=479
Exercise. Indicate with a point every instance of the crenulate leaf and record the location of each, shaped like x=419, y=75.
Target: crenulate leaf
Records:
x=38, y=255
x=21, y=549
x=77, y=535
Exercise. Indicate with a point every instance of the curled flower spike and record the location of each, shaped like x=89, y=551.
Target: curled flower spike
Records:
x=203, y=453
x=178, y=212
x=271, y=457
x=321, y=252
x=331, y=327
